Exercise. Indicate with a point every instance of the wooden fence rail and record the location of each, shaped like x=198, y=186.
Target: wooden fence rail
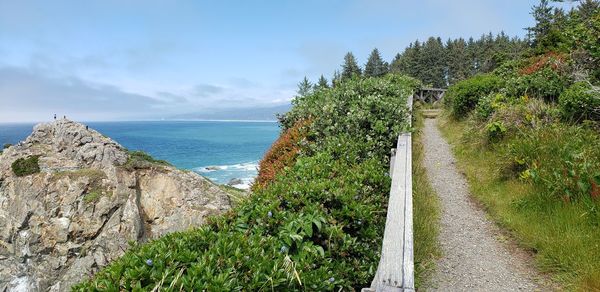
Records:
x=396, y=265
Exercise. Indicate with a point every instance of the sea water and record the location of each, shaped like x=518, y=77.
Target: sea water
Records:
x=222, y=151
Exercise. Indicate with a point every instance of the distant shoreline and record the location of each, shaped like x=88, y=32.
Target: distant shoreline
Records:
x=136, y=121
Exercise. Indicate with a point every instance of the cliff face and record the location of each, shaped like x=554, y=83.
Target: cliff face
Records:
x=87, y=201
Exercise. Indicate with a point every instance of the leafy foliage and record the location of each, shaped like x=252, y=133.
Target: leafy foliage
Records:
x=464, y=96
x=26, y=166
x=580, y=102
x=282, y=154
x=316, y=226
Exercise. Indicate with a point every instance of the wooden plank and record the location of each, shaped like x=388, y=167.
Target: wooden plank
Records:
x=392, y=158
x=433, y=89
x=408, y=281
x=397, y=248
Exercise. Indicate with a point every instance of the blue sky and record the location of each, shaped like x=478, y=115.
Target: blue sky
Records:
x=128, y=59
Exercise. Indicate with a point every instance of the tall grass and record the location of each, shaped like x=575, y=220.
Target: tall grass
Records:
x=564, y=235
x=426, y=210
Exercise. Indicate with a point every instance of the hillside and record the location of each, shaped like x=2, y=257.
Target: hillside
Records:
x=315, y=222
x=71, y=200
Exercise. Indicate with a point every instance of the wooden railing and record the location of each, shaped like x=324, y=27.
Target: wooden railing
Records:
x=396, y=265
x=427, y=94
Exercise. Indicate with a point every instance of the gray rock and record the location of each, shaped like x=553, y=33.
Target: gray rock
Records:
x=235, y=181
x=78, y=214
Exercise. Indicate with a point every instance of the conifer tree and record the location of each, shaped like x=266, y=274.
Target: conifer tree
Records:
x=395, y=66
x=322, y=83
x=542, y=14
x=433, y=63
x=458, y=64
x=305, y=87
x=375, y=66
x=335, y=80
x=350, y=67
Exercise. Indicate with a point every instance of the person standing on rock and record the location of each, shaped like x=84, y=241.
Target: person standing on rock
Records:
x=55, y=117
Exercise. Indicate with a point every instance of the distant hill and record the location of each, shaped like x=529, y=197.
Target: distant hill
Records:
x=252, y=113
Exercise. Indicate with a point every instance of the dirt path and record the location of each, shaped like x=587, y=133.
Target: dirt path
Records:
x=473, y=258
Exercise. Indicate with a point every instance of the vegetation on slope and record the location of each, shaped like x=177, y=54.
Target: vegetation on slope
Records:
x=317, y=225
x=528, y=142
x=26, y=166
x=140, y=160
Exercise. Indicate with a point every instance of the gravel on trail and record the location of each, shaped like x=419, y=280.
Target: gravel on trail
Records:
x=473, y=257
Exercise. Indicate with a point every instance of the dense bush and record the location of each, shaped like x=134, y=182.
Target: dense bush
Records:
x=317, y=226
x=580, y=102
x=282, y=154
x=464, y=95
x=26, y=166
x=490, y=104
x=546, y=84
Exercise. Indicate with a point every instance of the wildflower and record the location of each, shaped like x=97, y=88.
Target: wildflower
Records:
x=331, y=280
x=270, y=214
x=149, y=262
x=283, y=249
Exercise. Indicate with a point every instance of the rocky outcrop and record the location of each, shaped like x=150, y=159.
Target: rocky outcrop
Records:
x=84, y=206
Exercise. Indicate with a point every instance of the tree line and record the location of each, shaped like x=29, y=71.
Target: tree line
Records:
x=440, y=64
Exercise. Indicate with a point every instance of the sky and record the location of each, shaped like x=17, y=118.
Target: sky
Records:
x=134, y=59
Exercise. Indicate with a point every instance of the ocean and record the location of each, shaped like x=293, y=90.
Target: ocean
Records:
x=219, y=150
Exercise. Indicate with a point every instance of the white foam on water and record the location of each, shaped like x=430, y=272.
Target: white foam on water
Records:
x=246, y=166
x=223, y=174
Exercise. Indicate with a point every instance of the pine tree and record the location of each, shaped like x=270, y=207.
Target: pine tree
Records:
x=305, y=87
x=350, y=67
x=375, y=66
x=395, y=66
x=458, y=61
x=322, y=83
x=433, y=63
x=335, y=80
x=542, y=14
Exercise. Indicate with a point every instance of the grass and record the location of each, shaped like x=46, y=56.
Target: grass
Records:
x=235, y=195
x=92, y=196
x=563, y=239
x=95, y=190
x=426, y=210
x=141, y=160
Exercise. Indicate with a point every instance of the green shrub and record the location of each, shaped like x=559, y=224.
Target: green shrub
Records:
x=579, y=102
x=495, y=131
x=141, y=159
x=317, y=226
x=6, y=145
x=464, y=95
x=489, y=104
x=546, y=84
x=26, y=166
